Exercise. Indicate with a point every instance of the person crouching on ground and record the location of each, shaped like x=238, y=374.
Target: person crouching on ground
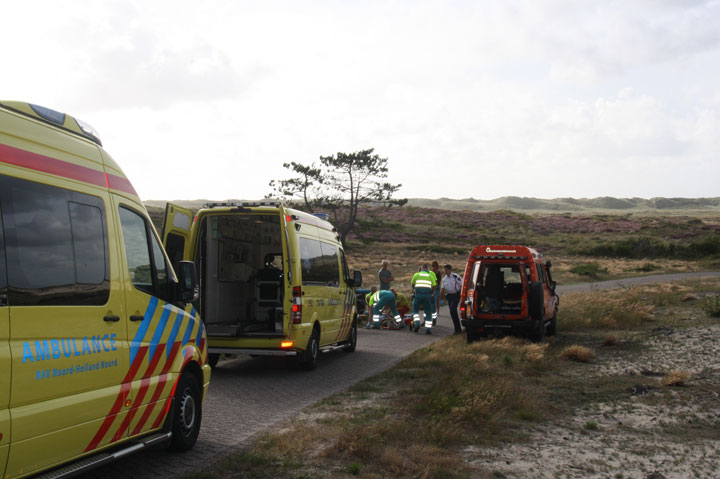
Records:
x=378, y=301
x=403, y=305
x=423, y=282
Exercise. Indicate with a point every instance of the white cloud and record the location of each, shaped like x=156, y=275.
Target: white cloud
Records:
x=484, y=99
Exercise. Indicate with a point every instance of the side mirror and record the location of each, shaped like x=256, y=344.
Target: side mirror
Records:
x=553, y=285
x=188, y=288
x=356, y=280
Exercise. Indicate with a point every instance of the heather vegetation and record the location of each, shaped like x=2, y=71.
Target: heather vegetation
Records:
x=600, y=235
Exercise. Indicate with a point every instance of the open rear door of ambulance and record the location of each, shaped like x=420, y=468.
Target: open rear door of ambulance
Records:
x=176, y=232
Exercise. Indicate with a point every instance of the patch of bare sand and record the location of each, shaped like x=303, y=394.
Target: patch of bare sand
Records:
x=640, y=437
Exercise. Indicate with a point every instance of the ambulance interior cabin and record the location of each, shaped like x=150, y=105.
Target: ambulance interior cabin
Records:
x=499, y=287
x=241, y=275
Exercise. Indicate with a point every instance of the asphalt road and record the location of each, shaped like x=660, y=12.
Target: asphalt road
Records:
x=249, y=395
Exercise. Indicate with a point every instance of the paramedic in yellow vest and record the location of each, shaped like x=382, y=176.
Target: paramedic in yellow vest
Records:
x=378, y=301
x=368, y=307
x=423, y=282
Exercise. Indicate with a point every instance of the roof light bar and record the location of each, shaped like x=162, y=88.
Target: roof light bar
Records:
x=48, y=114
x=243, y=204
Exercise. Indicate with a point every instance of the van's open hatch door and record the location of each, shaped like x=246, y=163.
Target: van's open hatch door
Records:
x=176, y=232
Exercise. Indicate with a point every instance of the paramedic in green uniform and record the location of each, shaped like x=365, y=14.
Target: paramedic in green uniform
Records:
x=423, y=282
x=378, y=301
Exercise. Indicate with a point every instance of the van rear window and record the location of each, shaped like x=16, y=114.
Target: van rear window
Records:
x=56, y=245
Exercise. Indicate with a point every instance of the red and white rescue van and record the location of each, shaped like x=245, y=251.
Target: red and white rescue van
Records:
x=508, y=289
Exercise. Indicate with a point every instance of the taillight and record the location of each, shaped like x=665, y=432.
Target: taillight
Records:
x=296, y=314
x=463, y=311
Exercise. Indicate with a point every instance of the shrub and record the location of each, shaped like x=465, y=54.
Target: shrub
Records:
x=578, y=353
x=646, y=268
x=676, y=378
x=711, y=306
x=610, y=339
x=647, y=247
x=591, y=426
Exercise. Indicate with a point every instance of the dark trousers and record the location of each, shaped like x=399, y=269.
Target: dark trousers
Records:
x=453, y=299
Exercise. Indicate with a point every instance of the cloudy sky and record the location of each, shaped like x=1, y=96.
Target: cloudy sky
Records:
x=207, y=99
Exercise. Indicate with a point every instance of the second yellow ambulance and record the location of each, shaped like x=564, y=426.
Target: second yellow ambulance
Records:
x=273, y=280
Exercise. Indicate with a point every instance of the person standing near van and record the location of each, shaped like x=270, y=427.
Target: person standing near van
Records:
x=451, y=287
x=435, y=269
x=385, y=276
x=423, y=283
x=378, y=301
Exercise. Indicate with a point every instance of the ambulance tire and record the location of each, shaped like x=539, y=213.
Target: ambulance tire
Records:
x=351, y=344
x=309, y=357
x=213, y=360
x=187, y=413
x=471, y=336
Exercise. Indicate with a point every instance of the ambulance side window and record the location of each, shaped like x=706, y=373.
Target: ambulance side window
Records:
x=145, y=260
x=331, y=271
x=346, y=271
x=3, y=274
x=56, y=242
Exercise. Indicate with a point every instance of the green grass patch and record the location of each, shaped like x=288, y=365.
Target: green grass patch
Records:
x=711, y=306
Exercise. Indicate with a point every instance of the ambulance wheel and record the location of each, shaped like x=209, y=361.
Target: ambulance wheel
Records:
x=187, y=413
x=308, y=359
x=352, y=341
x=470, y=336
x=213, y=360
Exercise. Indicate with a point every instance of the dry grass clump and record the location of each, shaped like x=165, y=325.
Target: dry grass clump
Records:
x=610, y=339
x=689, y=297
x=535, y=352
x=676, y=378
x=578, y=353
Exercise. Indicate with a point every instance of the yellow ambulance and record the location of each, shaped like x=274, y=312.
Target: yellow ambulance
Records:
x=274, y=281
x=101, y=351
